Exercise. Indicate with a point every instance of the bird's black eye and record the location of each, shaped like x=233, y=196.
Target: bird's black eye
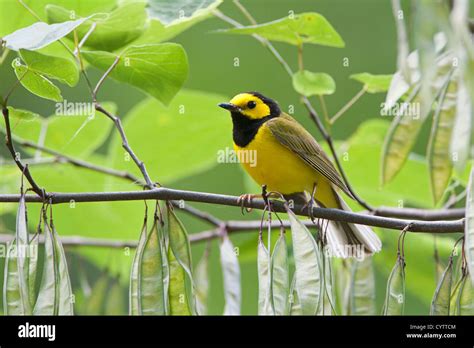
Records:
x=251, y=104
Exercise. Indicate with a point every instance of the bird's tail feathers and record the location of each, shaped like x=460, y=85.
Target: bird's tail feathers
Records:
x=350, y=240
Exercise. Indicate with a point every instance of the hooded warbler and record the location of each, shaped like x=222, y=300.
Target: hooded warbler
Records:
x=290, y=161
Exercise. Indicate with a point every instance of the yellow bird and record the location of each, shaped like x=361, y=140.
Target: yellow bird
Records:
x=290, y=161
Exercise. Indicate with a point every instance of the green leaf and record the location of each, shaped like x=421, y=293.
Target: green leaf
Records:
x=308, y=83
x=280, y=278
x=441, y=298
x=264, y=294
x=395, y=295
x=75, y=129
x=120, y=27
x=36, y=83
x=61, y=69
x=157, y=69
x=13, y=303
x=23, y=254
x=78, y=134
x=192, y=115
x=362, y=288
x=308, y=282
x=201, y=278
x=21, y=115
x=439, y=156
x=295, y=29
x=373, y=83
x=469, y=226
x=231, y=274
x=14, y=15
x=39, y=35
x=135, y=281
x=170, y=12
x=151, y=289
x=170, y=18
x=24, y=124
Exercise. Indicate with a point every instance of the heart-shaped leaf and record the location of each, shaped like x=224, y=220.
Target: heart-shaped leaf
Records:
x=115, y=30
x=40, y=34
x=373, y=83
x=295, y=29
x=36, y=83
x=158, y=69
x=308, y=83
x=61, y=69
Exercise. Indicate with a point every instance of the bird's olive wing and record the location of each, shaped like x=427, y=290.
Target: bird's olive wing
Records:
x=297, y=139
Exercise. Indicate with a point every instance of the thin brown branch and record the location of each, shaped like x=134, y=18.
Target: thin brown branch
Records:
x=84, y=39
x=277, y=206
x=83, y=164
x=126, y=146
x=102, y=79
x=15, y=155
x=421, y=214
x=119, y=127
x=349, y=104
x=329, y=141
x=245, y=12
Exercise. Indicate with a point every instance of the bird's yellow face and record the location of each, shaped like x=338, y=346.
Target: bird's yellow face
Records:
x=249, y=105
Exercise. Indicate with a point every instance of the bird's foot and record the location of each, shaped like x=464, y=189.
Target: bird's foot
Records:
x=310, y=204
x=246, y=199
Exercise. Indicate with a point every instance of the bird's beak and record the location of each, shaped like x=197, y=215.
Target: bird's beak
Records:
x=230, y=107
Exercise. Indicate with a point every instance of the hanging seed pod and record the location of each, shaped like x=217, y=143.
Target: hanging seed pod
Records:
x=231, y=274
x=280, y=277
x=152, y=294
x=362, y=287
x=134, y=297
x=201, y=276
x=395, y=295
x=308, y=283
x=441, y=300
x=264, y=295
x=180, y=247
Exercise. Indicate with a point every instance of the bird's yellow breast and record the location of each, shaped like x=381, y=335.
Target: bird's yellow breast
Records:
x=276, y=166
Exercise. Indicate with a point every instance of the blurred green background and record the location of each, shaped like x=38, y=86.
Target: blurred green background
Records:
x=367, y=28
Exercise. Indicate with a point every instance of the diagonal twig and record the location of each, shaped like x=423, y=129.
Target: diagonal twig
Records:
x=15, y=155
